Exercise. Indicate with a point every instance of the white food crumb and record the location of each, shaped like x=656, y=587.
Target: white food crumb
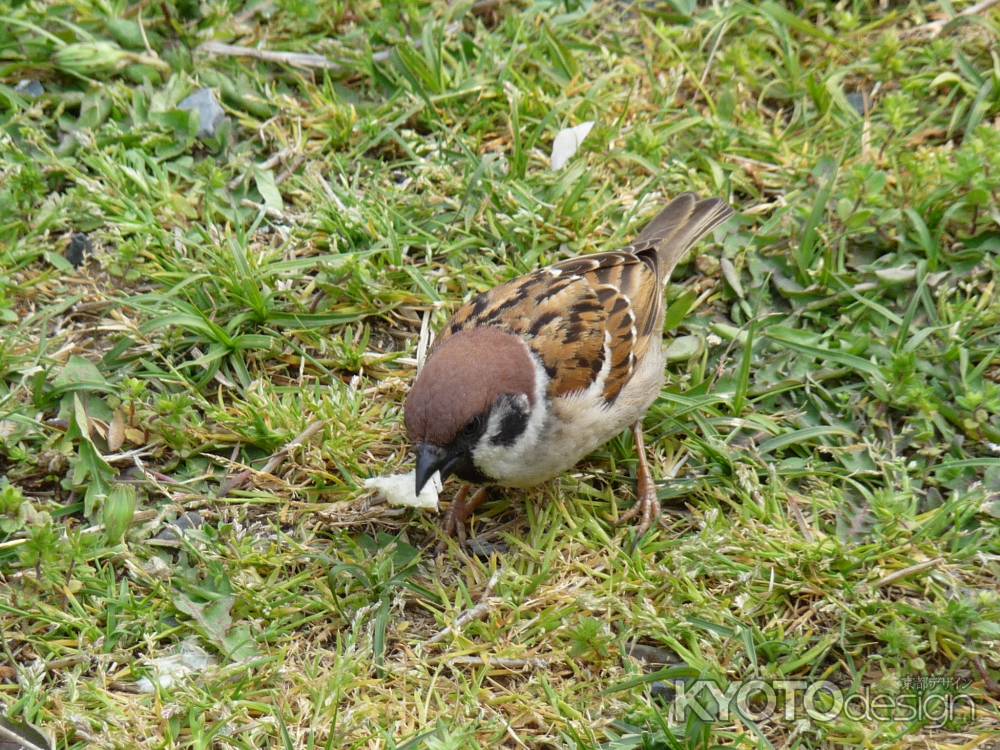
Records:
x=398, y=489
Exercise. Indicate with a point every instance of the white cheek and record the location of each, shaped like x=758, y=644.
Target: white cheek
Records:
x=505, y=463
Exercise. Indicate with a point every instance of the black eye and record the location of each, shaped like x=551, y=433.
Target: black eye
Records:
x=473, y=428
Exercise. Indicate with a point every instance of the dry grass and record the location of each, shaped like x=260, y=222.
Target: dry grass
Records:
x=834, y=430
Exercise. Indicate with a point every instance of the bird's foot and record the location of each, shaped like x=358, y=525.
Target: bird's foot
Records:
x=646, y=509
x=647, y=505
x=461, y=509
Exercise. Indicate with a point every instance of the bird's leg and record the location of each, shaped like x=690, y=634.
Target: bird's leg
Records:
x=461, y=508
x=647, y=503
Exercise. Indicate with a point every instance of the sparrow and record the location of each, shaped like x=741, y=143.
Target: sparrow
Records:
x=528, y=378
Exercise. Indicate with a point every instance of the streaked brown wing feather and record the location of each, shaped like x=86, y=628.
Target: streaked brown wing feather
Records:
x=560, y=317
x=625, y=282
x=565, y=312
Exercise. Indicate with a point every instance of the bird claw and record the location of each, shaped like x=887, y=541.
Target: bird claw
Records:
x=454, y=524
x=647, y=503
x=459, y=513
x=646, y=508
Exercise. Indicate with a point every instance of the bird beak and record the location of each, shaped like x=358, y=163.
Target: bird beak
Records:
x=430, y=458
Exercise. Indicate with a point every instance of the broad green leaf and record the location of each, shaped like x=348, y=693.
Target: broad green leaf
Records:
x=678, y=310
x=268, y=189
x=79, y=374
x=805, y=435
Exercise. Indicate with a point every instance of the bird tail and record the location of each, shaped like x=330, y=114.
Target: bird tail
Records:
x=679, y=226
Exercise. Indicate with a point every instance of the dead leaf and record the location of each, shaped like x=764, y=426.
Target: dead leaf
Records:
x=116, y=431
x=134, y=436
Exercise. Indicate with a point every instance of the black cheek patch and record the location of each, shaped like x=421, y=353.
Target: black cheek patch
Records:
x=511, y=427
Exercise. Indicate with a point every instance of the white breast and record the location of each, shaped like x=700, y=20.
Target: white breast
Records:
x=573, y=426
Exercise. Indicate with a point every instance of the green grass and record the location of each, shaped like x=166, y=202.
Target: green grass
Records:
x=833, y=425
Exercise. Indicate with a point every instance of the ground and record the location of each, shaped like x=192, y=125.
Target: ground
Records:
x=182, y=298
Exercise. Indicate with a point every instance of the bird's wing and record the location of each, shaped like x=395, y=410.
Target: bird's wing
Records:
x=575, y=315
x=595, y=316
x=630, y=304
x=683, y=222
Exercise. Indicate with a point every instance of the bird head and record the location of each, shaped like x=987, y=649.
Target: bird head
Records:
x=476, y=389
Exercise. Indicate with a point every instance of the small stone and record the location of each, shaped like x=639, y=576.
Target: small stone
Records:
x=79, y=248
x=707, y=265
x=29, y=87
x=664, y=691
x=157, y=568
x=210, y=113
x=857, y=100
x=171, y=535
x=653, y=654
x=189, y=520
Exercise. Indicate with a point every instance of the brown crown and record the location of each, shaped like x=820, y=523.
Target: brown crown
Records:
x=462, y=378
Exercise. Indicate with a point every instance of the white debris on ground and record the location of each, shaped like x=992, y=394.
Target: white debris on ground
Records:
x=566, y=143
x=398, y=489
x=210, y=113
x=190, y=659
